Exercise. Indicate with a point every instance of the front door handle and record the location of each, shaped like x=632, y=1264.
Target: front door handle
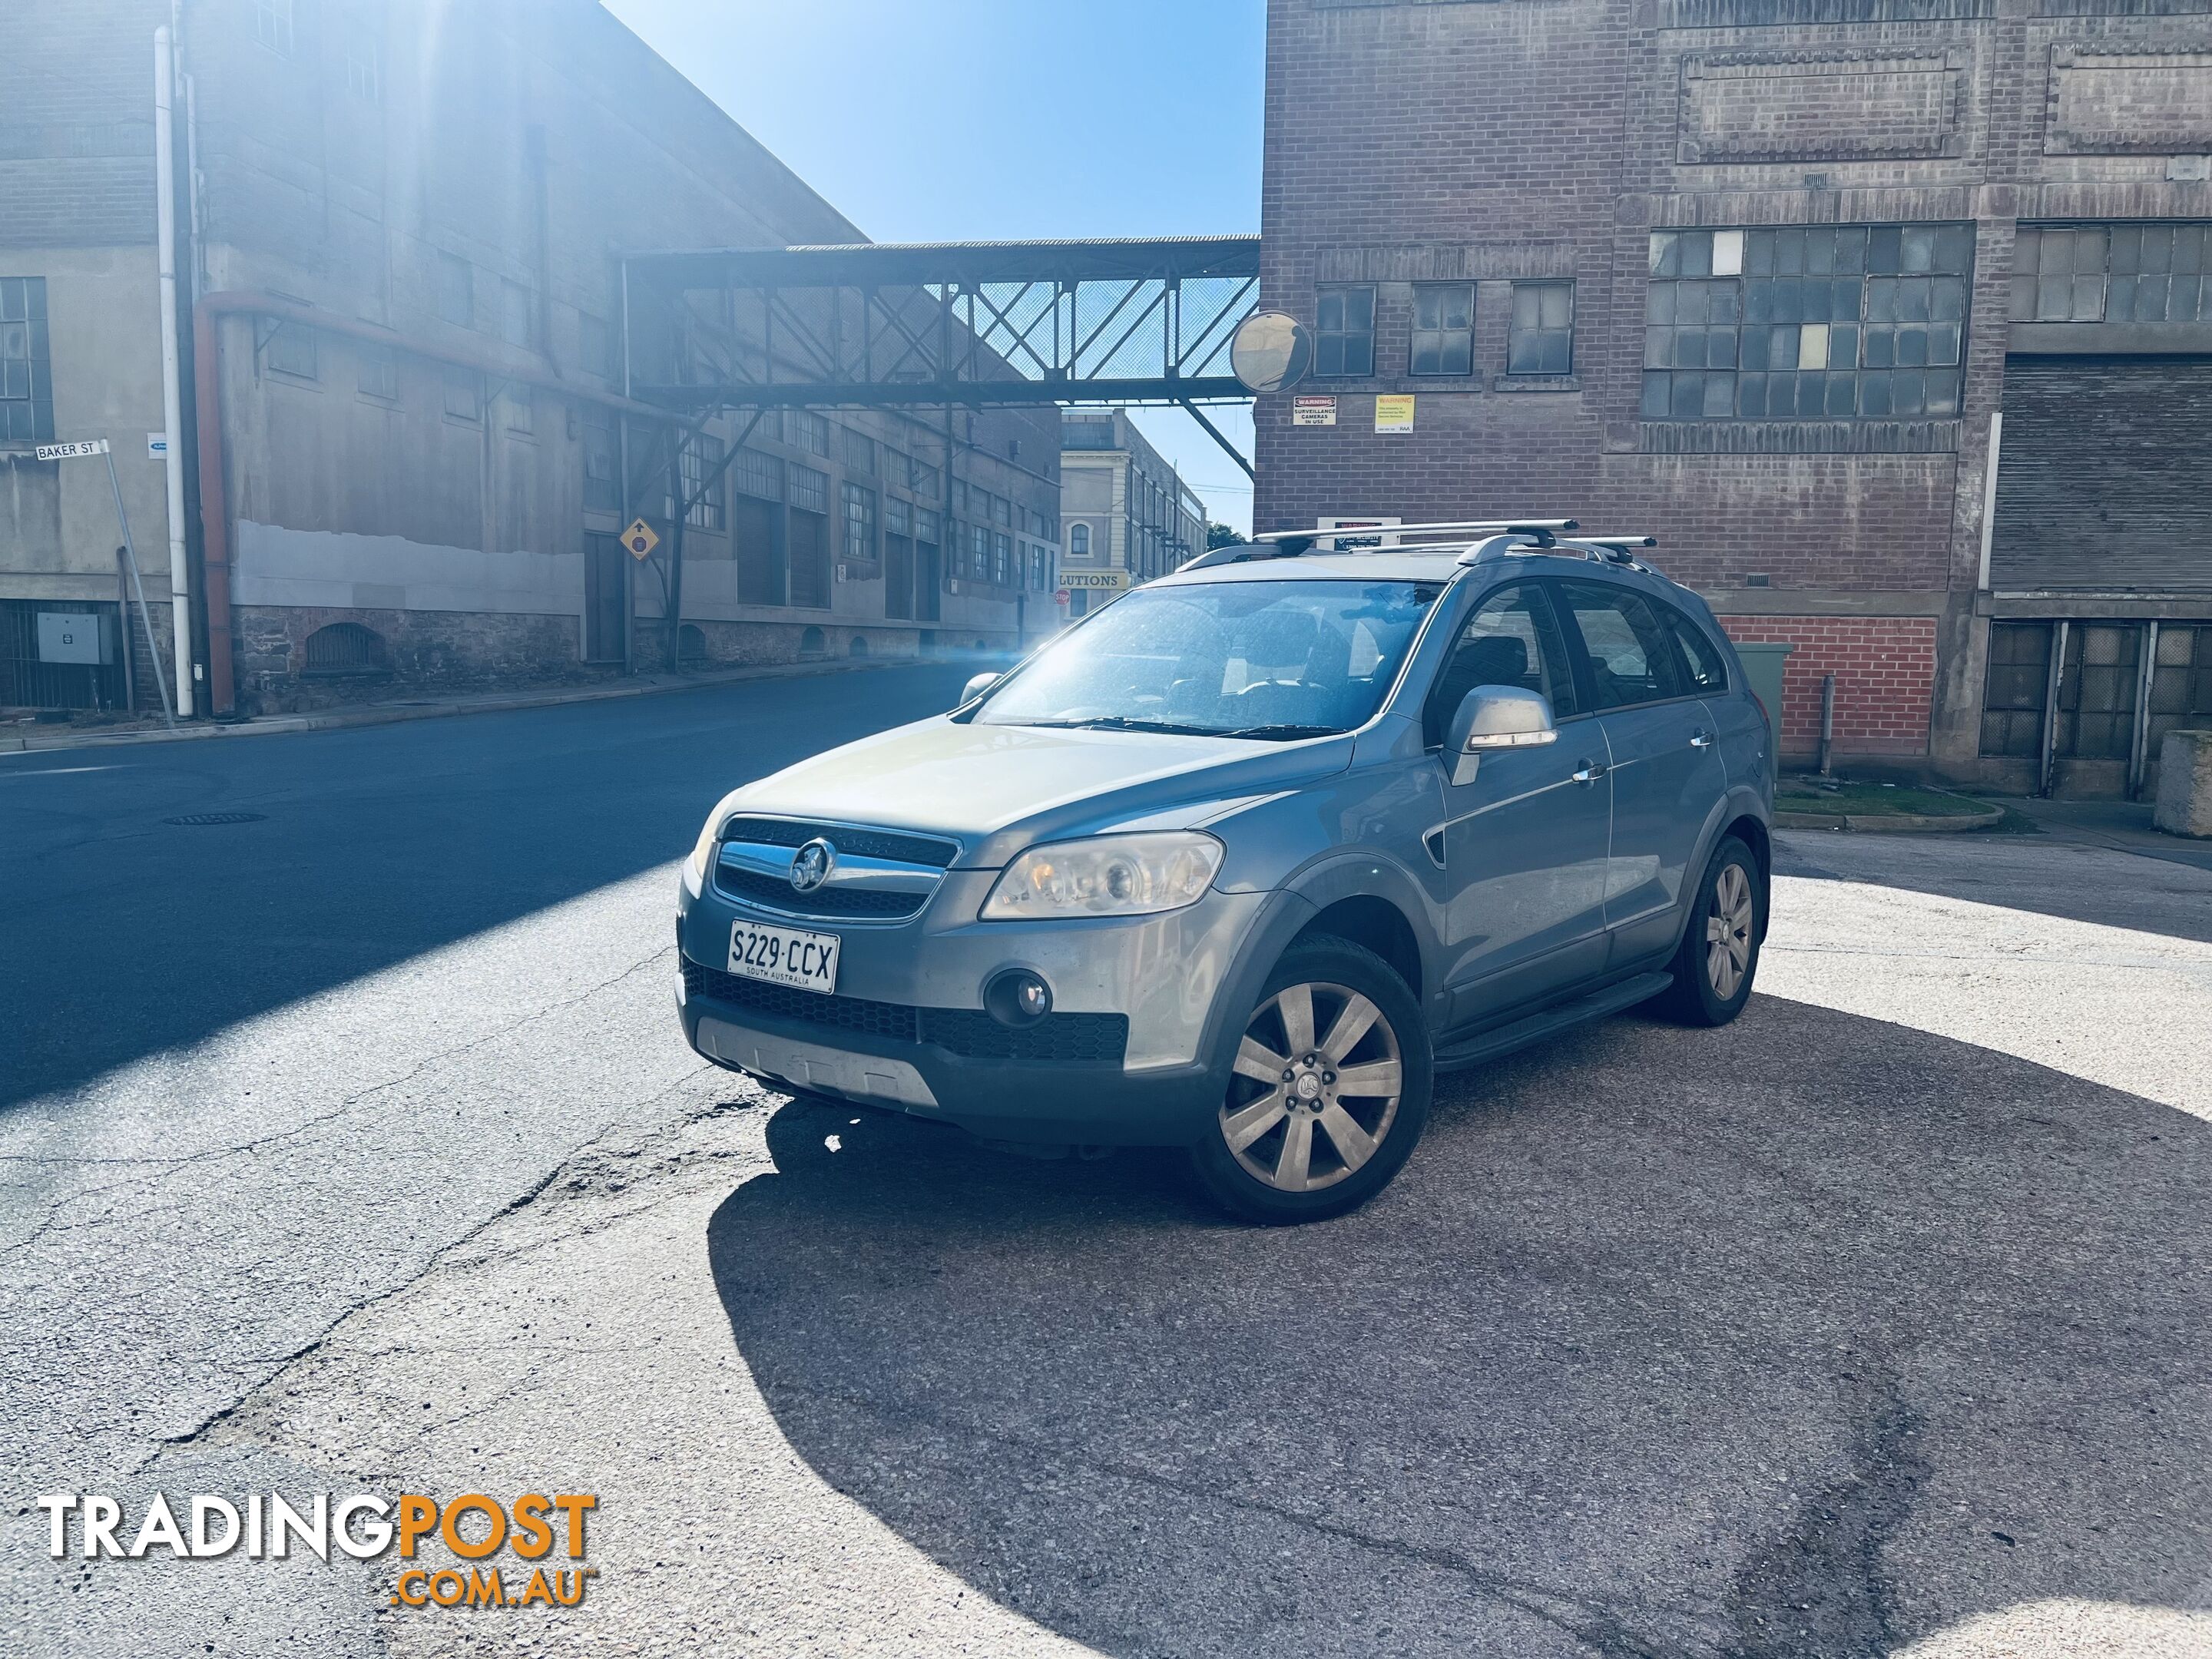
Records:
x=1701, y=740
x=1589, y=771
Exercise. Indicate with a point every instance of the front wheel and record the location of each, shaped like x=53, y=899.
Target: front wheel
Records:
x=1328, y=1091
x=1719, y=953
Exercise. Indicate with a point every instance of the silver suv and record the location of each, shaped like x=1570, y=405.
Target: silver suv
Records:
x=1242, y=861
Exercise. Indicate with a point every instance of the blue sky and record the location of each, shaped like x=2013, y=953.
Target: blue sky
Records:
x=987, y=119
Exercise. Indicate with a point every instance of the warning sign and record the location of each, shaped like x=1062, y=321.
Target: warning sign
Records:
x=1393, y=411
x=1313, y=411
x=640, y=539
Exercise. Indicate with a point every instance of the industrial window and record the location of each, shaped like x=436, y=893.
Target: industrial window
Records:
x=1079, y=541
x=960, y=496
x=2121, y=273
x=860, y=503
x=859, y=450
x=456, y=303
x=1826, y=322
x=2097, y=690
x=1443, y=329
x=514, y=312
x=979, y=552
x=364, y=66
x=379, y=370
x=1541, y=339
x=925, y=525
x=898, y=517
x=810, y=490
x=922, y=480
x=272, y=25
x=26, y=390
x=1087, y=434
x=699, y=475
x=1344, y=331
x=1039, y=525
x=755, y=474
x=519, y=407
x=464, y=394
x=2058, y=275
x=810, y=433
x=602, y=492
x=1002, y=560
x=2013, y=689
x=291, y=350
x=2180, y=681
x=1002, y=511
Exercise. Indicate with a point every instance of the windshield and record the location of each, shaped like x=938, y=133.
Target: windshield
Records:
x=1267, y=660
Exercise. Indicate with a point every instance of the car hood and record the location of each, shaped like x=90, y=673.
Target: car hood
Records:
x=999, y=788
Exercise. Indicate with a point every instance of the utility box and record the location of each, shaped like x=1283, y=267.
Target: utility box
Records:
x=1762, y=666
x=2184, y=784
x=77, y=636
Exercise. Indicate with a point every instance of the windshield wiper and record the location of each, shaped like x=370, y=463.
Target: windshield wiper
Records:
x=1126, y=723
x=1282, y=733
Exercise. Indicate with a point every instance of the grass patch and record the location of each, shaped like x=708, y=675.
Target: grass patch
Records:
x=1868, y=799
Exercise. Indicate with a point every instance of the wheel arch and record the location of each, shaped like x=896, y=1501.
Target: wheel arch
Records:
x=1368, y=920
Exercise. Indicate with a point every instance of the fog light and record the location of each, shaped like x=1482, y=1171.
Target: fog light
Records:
x=1018, y=997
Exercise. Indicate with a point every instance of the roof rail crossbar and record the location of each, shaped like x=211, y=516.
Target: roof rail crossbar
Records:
x=1306, y=539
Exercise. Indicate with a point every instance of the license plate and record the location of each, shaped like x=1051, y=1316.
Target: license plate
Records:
x=784, y=956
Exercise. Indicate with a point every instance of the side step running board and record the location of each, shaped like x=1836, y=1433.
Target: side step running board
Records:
x=1489, y=1045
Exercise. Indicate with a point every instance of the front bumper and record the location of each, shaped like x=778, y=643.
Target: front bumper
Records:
x=1171, y=976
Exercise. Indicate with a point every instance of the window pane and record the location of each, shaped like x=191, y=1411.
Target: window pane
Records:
x=1626, y=648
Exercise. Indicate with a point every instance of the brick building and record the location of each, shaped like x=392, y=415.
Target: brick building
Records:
x=403, y=430
x=1776, y=281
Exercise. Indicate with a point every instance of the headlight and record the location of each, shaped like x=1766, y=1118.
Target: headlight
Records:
x=1106, y=876
x=704, y=848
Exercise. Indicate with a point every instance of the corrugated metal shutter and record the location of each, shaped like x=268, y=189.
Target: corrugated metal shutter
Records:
x=2104, y=475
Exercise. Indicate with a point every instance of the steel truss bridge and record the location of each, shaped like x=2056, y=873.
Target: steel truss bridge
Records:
x=881, y=326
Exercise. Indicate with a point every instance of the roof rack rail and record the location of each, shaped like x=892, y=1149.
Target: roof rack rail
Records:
x=1308, y=537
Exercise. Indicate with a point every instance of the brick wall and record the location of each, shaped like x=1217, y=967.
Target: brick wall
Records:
x=1884, y=670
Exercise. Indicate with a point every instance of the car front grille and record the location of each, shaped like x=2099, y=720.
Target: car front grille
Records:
x=1058, y=1039
x=767, y=893
x=867, y=843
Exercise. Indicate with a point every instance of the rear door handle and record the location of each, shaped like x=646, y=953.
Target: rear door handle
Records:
x=1589, y=772
x=1701, y=740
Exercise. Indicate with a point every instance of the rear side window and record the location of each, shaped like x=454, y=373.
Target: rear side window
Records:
x=1625, y=645
x=1512, y=638
x=1708, y=669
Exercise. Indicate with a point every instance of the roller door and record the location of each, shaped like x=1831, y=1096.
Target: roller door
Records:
x=2104, y=474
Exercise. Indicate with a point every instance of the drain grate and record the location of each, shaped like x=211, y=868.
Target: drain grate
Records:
x=216, y=818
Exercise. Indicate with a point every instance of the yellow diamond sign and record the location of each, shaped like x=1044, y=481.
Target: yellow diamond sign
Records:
x=640, y=539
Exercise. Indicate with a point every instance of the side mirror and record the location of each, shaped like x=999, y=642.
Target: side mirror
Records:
x=975, y=687
x=1495, y=717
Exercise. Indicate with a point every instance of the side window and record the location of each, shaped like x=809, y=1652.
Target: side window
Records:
x=1512, y=638
x=1708, y=668
x=1630, y=658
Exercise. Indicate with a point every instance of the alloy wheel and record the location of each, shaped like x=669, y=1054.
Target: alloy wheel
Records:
x=1727, y=931
x=1304, y=1112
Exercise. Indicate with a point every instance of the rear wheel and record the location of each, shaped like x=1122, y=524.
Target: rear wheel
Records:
x=1719, y=953
x=1328, y=1092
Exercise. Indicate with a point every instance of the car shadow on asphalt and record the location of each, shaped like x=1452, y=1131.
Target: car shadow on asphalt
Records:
x=1810, y=1335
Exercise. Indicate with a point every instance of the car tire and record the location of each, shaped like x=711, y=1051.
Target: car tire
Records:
x=1718, y=956
x=1293, y=1140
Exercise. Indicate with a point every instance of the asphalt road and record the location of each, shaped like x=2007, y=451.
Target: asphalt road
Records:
x=355, y=1147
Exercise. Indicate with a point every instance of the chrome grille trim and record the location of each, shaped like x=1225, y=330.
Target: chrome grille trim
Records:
x=867, y=882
